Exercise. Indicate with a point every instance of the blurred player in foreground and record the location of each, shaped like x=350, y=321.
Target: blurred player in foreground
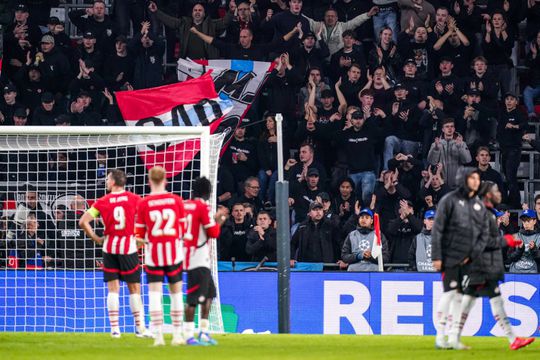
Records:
x=486, y=271
x=200, y=227
x=159, y=226
x=120, y=258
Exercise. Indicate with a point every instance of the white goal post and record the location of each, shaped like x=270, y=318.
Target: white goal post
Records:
x=50, y=279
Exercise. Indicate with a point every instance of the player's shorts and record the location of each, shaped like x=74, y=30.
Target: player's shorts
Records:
x=123, y=267
x=200, y=286
x=488, y=289
x=455, y=278
x=158, y=273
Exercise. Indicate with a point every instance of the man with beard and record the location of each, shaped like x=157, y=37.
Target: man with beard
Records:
x=459, y=226
x=485, y=272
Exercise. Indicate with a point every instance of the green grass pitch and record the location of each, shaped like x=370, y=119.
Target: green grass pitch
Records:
x=39, y=346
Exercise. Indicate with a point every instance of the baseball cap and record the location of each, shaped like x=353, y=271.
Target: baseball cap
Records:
x=47, y=39
x=53, y=20
x=399, y=86
x=21, y=7
x=47, y=97
x=89, y=35
x=498, y=213
x=326, y=93
x=324, y=196
x=357, y=115
x=430, y=214
x=528, y=214
x=313, y=172
x=9, y=88
x=410, y=61
x=366, y=211
x=315, y=205
x=308, y=34
x=20, y=112
x=472, y=92
x=509, y=93
x=446, y=58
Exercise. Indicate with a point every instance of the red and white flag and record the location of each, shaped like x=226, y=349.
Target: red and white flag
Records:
x=190, y=103
x=376, y=249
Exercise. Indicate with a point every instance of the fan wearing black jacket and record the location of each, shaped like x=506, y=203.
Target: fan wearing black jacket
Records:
x=261, y=241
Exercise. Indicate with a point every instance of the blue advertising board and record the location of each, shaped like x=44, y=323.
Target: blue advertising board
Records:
x=321, y=303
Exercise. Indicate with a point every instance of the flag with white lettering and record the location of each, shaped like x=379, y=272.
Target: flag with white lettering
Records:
x=236, y=80
x=190, y=103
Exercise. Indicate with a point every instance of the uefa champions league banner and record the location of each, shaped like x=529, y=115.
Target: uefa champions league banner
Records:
x=321, y=303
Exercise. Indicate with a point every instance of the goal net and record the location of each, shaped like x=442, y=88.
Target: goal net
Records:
x=50, y=272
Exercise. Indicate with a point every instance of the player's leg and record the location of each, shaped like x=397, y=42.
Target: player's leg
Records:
x=192, y=299
x=111, y=275
x=467, y=303
x=209, y=291
x=497, y=309
x=130, y=272
x=155, y=295
x=177, y=303
x=462, y=281
x=443, y=308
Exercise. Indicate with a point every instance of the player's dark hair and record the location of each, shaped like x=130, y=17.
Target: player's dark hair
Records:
x=119, y=177
x=485, y=188
x=202, y=188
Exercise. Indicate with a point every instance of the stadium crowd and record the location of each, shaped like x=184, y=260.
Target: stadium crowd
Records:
x=383, y=101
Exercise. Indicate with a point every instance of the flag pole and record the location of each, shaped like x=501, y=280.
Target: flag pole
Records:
x=377, y=229
x=283, y=236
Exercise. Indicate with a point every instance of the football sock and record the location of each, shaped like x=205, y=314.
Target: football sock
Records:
x=156, y=311
x=189, y=329
x=466, y=305
x=442, y=313
x=113, y=306
x=205, y=325
x=497, y=309
x=177, y=312
x=455, y=312
x=137, y=310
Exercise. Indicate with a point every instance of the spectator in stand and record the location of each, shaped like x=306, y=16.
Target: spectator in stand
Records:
x=418, y=45
x=303, y=194
x=333, y=31
x=9, y=105
x=343, y=203
x=386, y=17
x=485, y=81
x=148, y=51
x=385, y=54
x=88, y=80
x=88, y=51
x=245, y=17
x=487, y=173
x=434, y=187
x=442, y=21
x=388, y=193
x=316, y=239
x=96, y=21
x=296, y=171
x=54, y=65
x=416, y=12
x=476, y=120
x=455, y=45
x=351, y=84
x=250, y=194
x=282, y=23
x=448, y=87
x=403, y=127
x=511, y=127
x=47, y=111
x=61, y=39
x=401, y=231
x=21, y=28
x=192, y=46
x=314, y=80
x=31, y=82
x=350, y=54
x=415, y=86
x=449, y=150
x=357, y=249
x=120, y=65
x=233, y=237
x=28, y=247
x=497, y=45
x=326, y=201
x=245, y=49
x=267, y=155
x=20, y=117
x=524, y=258
x=379, y=84
x=420, y=250
x=83, y=112
x=409, y=172
x=126, y=11
x=311, y=54
x=241, y=156
x=532, y=91
x=357, y=138
x=261, y=242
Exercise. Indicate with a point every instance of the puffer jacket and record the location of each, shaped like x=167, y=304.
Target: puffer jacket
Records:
x=459, y=229
x=452, y=156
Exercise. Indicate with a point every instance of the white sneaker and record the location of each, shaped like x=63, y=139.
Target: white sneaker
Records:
x=159, y=341
x=178, y=340
x=458, y=345
x=441, y=344
x=144, y=333
x=115, y=333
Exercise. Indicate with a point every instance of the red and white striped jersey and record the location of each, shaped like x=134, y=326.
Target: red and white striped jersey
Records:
x=159, y=221
x=199, y=227
x=118, y=210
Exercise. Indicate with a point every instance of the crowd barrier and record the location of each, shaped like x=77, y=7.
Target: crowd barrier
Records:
x=321, y=303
